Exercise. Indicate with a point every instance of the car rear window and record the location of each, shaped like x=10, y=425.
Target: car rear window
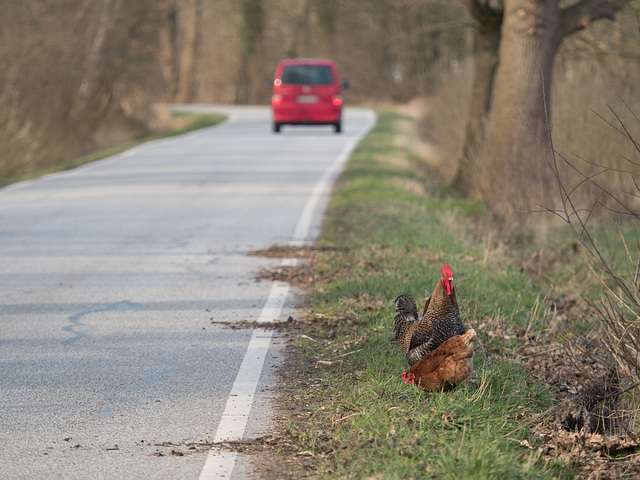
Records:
x=307, y=74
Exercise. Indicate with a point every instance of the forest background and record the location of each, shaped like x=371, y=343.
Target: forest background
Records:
x=79, y=75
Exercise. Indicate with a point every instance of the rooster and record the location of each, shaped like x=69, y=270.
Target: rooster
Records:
x=445, y=367
x=440, y=320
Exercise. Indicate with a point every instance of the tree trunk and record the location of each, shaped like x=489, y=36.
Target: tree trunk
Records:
x=188, y=15
x=90, y=97
x=299, y=40
x=166, y=44
x=486, y=62
x=251, y=36
x=518, y=139
x=512, y=171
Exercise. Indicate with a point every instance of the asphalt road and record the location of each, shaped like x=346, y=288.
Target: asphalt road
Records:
x=111, y=275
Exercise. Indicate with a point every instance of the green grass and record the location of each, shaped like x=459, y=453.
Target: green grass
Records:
x=393, y=227
x=192, y=122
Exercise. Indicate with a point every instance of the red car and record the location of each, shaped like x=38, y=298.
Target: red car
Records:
x=306, y=91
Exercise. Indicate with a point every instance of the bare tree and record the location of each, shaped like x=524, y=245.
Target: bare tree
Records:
x=177, y=38
x=251, y=36
x=516, y=143
x=188, y=13
x=74, y=78
x=489, y=18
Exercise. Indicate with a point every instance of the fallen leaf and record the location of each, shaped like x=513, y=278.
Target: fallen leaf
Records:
x=328, y=365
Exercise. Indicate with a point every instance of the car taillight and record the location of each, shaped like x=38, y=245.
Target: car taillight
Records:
x=276, y=100
x=337, y=100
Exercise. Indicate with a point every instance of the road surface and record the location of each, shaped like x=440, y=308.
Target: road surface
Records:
x=111, y=275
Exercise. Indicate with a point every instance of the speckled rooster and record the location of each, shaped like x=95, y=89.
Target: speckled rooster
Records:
x=440, y=320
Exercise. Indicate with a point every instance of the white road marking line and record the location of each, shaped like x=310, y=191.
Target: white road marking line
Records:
x=273, y=306
x=220, y=463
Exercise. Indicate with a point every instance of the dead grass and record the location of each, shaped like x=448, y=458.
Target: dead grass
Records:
x=440, y=130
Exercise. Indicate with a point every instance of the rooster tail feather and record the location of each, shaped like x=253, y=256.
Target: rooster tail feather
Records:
x=405, y=304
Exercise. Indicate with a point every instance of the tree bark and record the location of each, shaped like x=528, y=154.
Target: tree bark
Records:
x=584, y=13
x=486, y=62
x=166, y=44
x=299, y=39
x=189, y=19
x=251, y=36
x=90, y=96
x=518, y=137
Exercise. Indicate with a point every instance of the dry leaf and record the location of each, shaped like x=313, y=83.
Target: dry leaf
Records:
x=328, y=365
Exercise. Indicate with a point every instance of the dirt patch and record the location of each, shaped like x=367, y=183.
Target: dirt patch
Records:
x=300, y=276
x=303, y=275
x=287, y=251
x=288, y=325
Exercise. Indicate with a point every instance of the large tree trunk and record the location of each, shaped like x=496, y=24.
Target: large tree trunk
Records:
x=518, y=138
x=94, y=92
x=166, y=46
x=299, y=37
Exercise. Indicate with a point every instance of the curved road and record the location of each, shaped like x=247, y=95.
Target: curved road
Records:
x=111, y=275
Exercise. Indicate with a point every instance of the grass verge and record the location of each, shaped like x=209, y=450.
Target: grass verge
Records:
x=389, y=228
x=190, y=123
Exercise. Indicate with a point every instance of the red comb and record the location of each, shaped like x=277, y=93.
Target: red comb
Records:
x=446, y=271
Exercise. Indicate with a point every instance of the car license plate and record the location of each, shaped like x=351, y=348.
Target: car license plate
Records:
x=307, y=99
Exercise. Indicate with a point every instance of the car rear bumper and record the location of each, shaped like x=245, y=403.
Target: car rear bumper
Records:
x=300, y=115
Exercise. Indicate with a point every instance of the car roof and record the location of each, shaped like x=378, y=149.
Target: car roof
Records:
x=307, y=61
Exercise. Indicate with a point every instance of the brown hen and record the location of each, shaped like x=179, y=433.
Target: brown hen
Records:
x=445, y=367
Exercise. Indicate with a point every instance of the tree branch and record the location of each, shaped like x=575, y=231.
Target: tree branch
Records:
x=583, y=14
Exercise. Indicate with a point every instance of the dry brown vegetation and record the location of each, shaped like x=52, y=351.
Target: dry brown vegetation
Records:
x=83, y=75
x=76, y=75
